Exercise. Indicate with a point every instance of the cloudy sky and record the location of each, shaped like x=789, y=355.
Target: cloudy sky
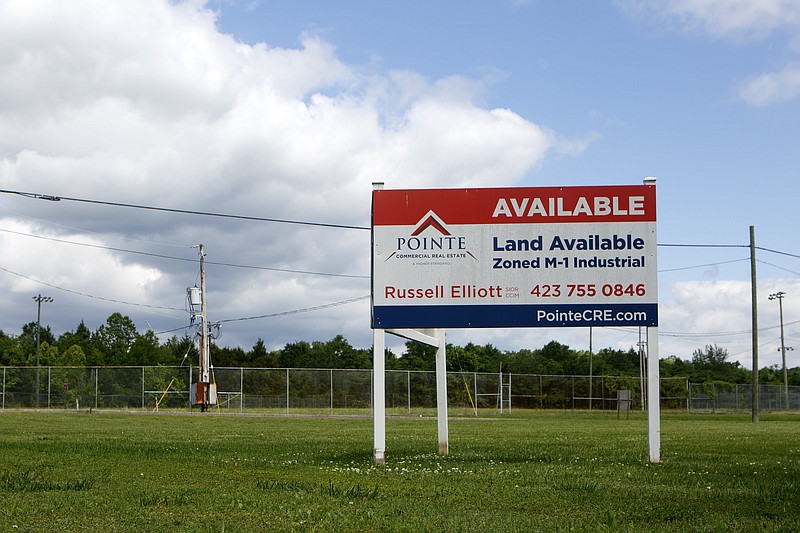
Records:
x=289, y=110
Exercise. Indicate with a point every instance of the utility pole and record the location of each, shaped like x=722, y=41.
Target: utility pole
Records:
x=204, y=392
x=39, y=299
x=779, y=296
x=754, y=306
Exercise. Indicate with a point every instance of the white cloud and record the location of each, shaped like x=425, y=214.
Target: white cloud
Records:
x=739, y=21
x=772, y=87
x=720, y=312
x=730, y=19
x=146, y=102
x=84, y=269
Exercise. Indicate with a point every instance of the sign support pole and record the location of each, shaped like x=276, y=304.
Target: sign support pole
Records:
x=379, y=395
x=653, y=396
x=441, y=392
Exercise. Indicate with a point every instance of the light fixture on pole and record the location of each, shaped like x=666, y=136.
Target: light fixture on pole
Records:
x=779, y=296
x=39, y=299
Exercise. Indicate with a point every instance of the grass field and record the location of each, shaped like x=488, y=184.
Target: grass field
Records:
x=538, y=471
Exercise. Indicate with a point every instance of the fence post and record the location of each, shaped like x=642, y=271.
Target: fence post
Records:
x=287, y=391
x=408, y=393
x=541, y=392
x=241, y=389
x=688, y=396
x=475, y=390
x=509, y=393
x=189, y=400
x=573, y=392
x=49, y=384
x=602, y=393
x=736, y=392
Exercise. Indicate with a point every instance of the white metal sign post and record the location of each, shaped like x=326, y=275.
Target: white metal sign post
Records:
x=516, y=257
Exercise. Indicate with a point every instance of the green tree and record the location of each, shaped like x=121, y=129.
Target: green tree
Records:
x=10, y=351
x=182, y=349
x=260, y=357
x=72, y=356
x=564, y=360
x=115, y=339
x=224, y=356
x=145, y=350
x=48, y=355
x=342, y=355
x=674, y=367
x=82, y=337
x=392, y=361
x=771, y=375
x=45, y=334
x=794, y=376
x=619, y=362
x=295, y=355
x=418, y=356
x=711, y=364
x=27, y=341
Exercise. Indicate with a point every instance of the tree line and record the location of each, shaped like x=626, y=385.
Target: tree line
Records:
x=118, y=343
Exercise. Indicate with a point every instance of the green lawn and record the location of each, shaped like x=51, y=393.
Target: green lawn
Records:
x=535, y=471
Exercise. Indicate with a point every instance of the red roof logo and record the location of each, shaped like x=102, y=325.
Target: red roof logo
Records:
x=430, y=220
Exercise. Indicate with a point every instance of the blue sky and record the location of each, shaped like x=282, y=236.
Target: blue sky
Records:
x=290, y=109
x=654, y=97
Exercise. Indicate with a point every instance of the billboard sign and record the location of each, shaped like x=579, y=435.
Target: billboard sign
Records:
x=514, y=257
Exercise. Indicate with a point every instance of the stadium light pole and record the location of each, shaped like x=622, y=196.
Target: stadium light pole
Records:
x=39, y=299
x=779, y=296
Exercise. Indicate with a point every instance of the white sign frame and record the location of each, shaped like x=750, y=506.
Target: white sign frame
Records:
x=431, y=270
x=514, y=257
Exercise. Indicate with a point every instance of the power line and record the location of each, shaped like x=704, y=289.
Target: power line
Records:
x=350, y=276
x=90, y=232
x=297, y=311
x=306, y=223
x=53, y=198
x=703, y=266
x=173, y=330
x=678, y=245
x=778, y=252
x=162, y=256
x=282, y=313
x=271, y=315
x=88, y=295
x=778, y=267
x=688, y=335
x=675, y=245
x=98, y=246
x=310, y=272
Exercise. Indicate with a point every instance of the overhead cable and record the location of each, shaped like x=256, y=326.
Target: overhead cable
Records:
x=297, y=311
x=704, y=265
x=53, y=198
x=88, y=295
x=778, y=267
x=162, y=256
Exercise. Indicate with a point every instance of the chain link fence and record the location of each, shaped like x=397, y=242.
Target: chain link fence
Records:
x=297, y=391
